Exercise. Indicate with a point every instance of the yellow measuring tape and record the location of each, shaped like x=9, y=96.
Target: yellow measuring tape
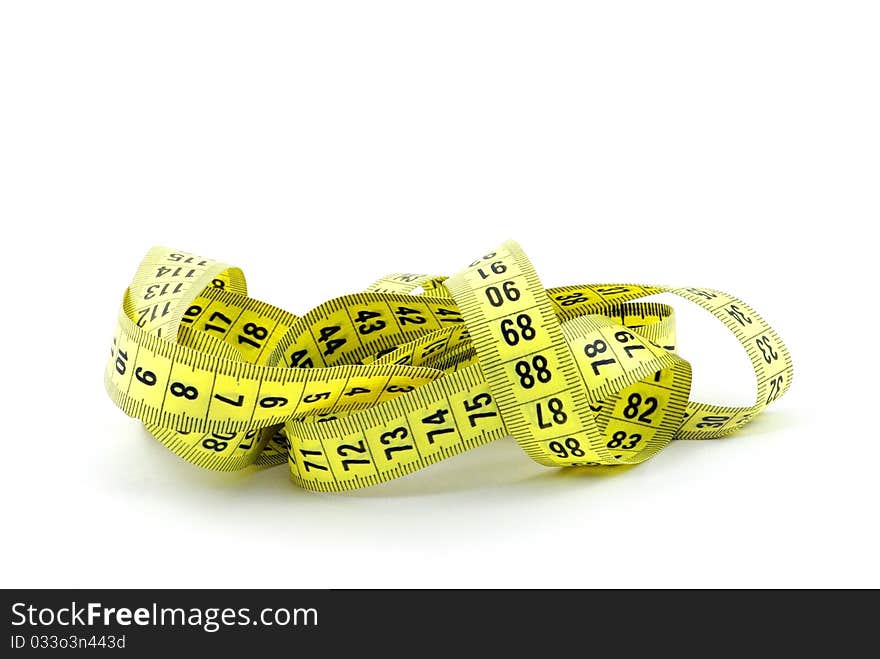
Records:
x=372, y=386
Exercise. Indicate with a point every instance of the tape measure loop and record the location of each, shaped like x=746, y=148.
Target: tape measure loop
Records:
x=372, y=386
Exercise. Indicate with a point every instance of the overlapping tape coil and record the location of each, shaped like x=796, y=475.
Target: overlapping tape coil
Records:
x=372, y=386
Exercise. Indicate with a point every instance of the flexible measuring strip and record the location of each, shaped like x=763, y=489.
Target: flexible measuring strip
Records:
x=372, y=386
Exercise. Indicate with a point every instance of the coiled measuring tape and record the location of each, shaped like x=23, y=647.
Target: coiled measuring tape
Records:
x=372, y=386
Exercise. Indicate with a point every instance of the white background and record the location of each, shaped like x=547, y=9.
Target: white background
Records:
x=319, y=145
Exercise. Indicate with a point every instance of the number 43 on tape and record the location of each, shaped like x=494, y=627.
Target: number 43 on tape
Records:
x=375, y=385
